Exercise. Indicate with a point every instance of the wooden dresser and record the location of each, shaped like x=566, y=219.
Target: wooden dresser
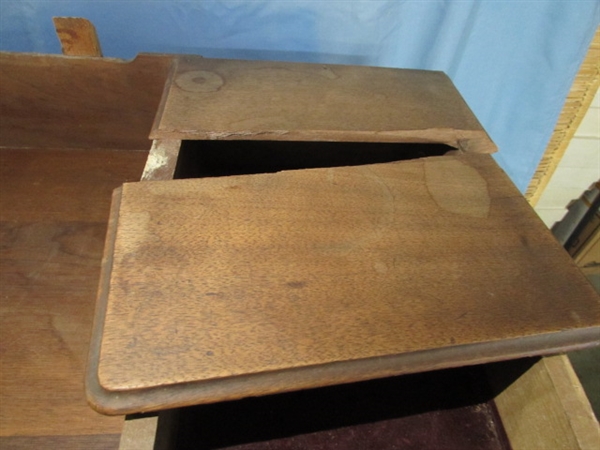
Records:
x=334, y=245
x=328, y=225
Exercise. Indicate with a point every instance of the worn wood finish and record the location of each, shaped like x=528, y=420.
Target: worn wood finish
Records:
x=228, y=99
x=296, y=279
x=64, y=102
x=139, y=433
x=546, y=407
x=77, y=36
x=162, y=160
x=53, y=212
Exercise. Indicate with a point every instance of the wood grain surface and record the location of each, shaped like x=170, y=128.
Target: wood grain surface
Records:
x=53, y=212
x=299, y=277
x=546, y=407
x=229, y=99
x=51, y=101
x=77, y=36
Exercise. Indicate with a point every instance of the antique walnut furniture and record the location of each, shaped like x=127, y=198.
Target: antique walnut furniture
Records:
x=301, y=226
x=334, y=224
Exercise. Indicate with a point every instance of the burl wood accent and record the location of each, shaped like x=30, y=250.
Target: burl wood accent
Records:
x=246, y=285
x=229, y=99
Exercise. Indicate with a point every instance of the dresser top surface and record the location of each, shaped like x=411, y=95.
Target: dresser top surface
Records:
x=427, y=263
x=235, y=99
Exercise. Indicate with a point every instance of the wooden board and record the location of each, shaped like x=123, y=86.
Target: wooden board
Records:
x=245, y=285
x=229, y=99
x=77, y=36
x=545, y=407
x=51, y=101
x=54, y=207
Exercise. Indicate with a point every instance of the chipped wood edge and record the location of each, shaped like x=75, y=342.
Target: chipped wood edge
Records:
x=77, y=36
x=546, y=407
x=162, y=160
x=473, y=141
x=576, y=105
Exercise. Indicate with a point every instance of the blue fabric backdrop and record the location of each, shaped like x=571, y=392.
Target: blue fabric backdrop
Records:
x=513, y=61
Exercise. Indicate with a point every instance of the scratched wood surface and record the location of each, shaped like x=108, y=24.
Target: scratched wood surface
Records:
x=244, y=285
x=53, y=101
x=229, y=99
x=54, y=208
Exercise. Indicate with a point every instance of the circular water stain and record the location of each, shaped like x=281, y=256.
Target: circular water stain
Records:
x=199, y=81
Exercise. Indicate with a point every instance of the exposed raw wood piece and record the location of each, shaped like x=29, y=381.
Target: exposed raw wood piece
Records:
x=61, y=102
x=54, y=206
x=162, y=160
x=228, y=99
x=547, y=408
x=139, y=433
x=246, y=285
x=157, y=431
x=576, y=105
x=77, y=36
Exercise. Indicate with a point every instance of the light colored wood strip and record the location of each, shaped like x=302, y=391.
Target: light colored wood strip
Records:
x=139, y=433
x=574, y=402
x=576, y=105
x=547, y=408
x=162, y=160
x=77, y=36
x=270, y=298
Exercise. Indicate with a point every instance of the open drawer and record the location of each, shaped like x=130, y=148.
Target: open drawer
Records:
x=363, y=236
x=533, y=403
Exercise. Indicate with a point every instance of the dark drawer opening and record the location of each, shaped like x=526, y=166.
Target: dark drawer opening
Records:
x=446, y=409
x=198, y=159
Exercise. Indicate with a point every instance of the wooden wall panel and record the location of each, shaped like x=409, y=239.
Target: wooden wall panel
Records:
x=64, y=102
x=53, y=213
